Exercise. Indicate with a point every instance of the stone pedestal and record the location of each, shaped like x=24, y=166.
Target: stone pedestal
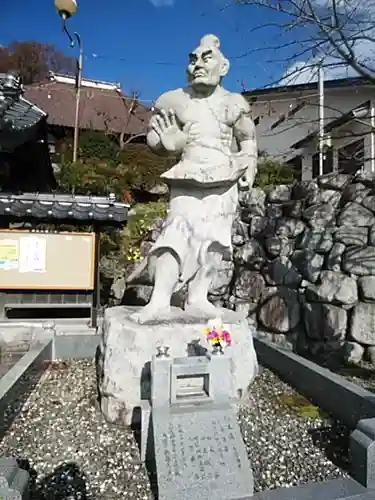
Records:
x=126, y=350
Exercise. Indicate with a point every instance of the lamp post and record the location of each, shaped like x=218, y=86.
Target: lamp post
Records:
x=67, y=9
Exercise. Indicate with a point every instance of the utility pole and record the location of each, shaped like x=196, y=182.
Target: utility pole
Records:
x=67, y=9
x=321, y=119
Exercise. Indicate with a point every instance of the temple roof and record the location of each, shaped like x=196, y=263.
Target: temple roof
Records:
x=103, y=106
x=19, y=118
x=64, y=208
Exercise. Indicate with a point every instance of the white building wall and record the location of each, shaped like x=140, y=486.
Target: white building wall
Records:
x=351, y=132
x=271, y=106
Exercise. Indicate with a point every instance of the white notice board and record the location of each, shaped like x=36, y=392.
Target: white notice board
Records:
x=53, y=261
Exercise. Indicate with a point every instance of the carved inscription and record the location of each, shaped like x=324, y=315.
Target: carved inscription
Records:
x=200, y=452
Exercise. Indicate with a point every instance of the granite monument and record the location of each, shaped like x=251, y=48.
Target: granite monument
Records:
x=196, y=442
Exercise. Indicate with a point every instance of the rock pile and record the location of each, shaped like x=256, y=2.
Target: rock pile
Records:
x=303, y=267
x=305, y=264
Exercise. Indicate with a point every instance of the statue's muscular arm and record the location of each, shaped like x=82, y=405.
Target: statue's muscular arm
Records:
x=244, y=133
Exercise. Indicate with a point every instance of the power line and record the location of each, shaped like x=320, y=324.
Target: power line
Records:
x=126, y=60
x=124, y=97
x=88, y=90
x=94, y=55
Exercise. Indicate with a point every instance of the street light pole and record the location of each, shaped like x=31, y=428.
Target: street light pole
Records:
x=66, y=9
x=78, y=96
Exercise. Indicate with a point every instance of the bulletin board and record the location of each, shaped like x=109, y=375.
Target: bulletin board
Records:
x=47, y=261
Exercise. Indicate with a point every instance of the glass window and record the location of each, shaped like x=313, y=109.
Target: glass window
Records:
x=327, y=162
x=351, y=157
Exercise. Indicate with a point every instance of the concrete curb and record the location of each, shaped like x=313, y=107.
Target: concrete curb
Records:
x=345, y=401
x=75, y=346
x=17, y=384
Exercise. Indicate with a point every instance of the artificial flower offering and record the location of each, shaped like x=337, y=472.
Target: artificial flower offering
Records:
x=216, y=335
x=226, y=337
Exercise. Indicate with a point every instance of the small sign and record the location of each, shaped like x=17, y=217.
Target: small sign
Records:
x=32, y=254
x=9, y=255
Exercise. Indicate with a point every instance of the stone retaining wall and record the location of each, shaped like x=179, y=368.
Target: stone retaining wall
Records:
x=305, y=264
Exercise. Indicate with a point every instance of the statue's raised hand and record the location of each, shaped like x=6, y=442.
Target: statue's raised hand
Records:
x=166, y=126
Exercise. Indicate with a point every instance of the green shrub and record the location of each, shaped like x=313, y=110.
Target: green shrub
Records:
x=97, y=145
x=103, y=167
x=272, y=173
x=139, y=227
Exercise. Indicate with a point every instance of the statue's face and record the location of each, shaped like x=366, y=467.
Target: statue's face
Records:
x=206, y=67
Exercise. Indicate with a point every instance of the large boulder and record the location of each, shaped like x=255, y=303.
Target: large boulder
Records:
x=278, y=246
x=251, y=255
x=279, y=311
x=354, y=214
x=240, y=232
x=334, y=181
x=355, y=192
x=280, y=193
x=325, y=322
x=308, y=263
x=249, y=285
x=281, y=272
x=363, y=323
x=366, y=286
x=289, y=227
x=359, y=261
x=334, y=258
x=316, y=241
x=126, y=350
x=319, y=216
x=334, y=288
x=352, y=235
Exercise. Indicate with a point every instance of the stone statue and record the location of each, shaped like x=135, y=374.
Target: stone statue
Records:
x=213, y=132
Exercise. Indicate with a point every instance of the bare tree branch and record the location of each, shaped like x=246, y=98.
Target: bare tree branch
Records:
x=130, y=111
x=338, y=29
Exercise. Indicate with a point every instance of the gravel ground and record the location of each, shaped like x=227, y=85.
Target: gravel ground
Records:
x=74, y=454
x=362, y=374
x=289, y=441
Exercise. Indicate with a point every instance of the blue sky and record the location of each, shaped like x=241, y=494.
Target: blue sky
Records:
x=143, y=45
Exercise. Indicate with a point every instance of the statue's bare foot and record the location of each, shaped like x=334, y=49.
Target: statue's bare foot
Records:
x=150, y=312
x=203, y=307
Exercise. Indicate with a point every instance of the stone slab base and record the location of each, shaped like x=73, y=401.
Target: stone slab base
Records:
x=14, y=481
x=126, y=350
